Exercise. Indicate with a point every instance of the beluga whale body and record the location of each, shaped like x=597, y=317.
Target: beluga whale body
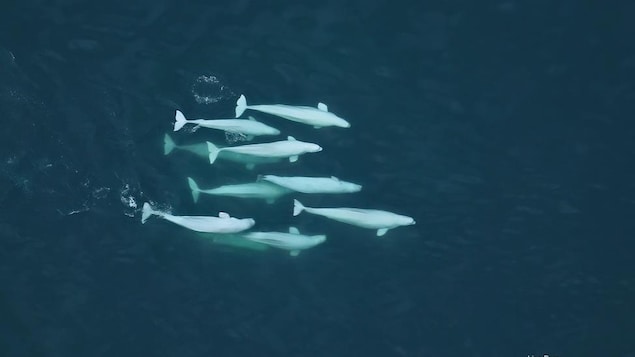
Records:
x=293, y=241
x=249, y=161
x=249, y=127
x=382, y=221
x=317, y=117
x=290, y=148
x=263, y=190
x=202, y=150
x=305, y=184
x=224, y=223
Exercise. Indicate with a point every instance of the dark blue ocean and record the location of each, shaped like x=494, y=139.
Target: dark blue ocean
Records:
x=503, y=127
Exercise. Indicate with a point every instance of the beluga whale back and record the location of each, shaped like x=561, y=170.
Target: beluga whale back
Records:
x=202, y=150
x=317, y=117
x=293, y=241
x=307, y=184
x=263, y=190
x=224, y=223
x=290, y=148
x=382, y=221
x=249, y=127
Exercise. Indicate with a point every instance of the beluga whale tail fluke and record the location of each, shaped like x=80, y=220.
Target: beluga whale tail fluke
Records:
x=196, y=191
x=297, y=207
x=180, y=120
x=148, y=211
x=241, y=105
x=168, y=144
x=213, y=152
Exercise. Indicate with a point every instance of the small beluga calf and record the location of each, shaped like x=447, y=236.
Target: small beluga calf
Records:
x=224, y=223
x=306, y=184
x=317, y=117
x=293, y=241
x=263, y=190
x=290, y=148
x=249, y=127
x=382, y=221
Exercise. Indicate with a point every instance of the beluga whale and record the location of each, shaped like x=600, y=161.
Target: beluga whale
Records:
x=306, y=184
x=382, y=221
x=224, y=223
x=201, y=150
x=293, y=241
x=317, y=117
x=263, y=190
x=249, y=127
x=290, y=148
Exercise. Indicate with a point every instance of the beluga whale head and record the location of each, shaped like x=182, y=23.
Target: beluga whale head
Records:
x=352, y=187
x=249, y=222
x=313, y=148
x=343, y=123
x=406, y=221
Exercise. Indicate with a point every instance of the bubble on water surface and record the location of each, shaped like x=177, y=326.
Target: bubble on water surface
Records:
x=207, y=89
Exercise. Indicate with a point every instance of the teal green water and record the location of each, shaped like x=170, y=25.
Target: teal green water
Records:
x=499, y=126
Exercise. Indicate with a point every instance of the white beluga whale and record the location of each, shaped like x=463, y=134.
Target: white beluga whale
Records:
x=249, y=161
x=382, y=221
x=169, y=145
x=290, y=148
x=233, y=241
x=263, y=190
x=316, y=117
x=224, y=223
x=293, y=241
x=249, y=127
x=313, y=184
x=201, y=150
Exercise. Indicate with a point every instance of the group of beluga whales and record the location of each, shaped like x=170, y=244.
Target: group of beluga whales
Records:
x=271, y=187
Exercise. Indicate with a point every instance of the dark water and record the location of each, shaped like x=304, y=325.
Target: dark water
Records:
x=504, y=128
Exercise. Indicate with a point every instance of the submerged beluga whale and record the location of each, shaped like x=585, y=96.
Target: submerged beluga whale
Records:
x=224, y=223
x=169, y=145
x=249, y=127
x=263, y=190
x=382, y=221
x=317, y=117
x=293, y=241
x=290, y=148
